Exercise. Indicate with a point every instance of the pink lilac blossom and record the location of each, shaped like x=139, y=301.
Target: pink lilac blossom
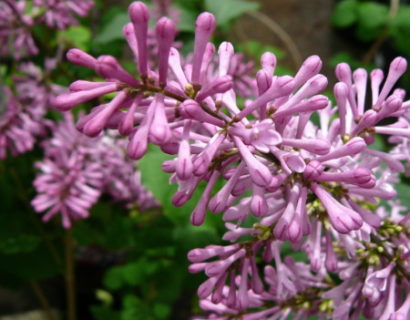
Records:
x=20, y=126
x=17, y=21
x=286, y=178
x=15, y=30
x=78, y=169
x=62, y=13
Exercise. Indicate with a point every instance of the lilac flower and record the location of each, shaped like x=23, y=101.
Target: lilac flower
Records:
x=62, y=13
x=77, y=170
x=285, y=177
x=20, y=126
x=15, y=30
x=69, y=182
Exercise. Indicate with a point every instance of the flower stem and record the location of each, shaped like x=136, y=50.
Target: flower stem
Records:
x=70, y=276
x=42, y=299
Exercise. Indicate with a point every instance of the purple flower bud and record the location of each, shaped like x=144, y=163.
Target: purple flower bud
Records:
x=176, y=67
x=243, y=299
x=206, y=288
x=281, y=86
x=310, y=67
x=160, y=133
x=235, y=232
x=80, y=85
x=216, y=268
x=313, y=104
x=138, y=143
x=313, y=86
x=264, y=81
x=139, y=16
x=190, y=109
x=368, y=120
x=344, y=73
x=129, y=34
x=360, y=82
x=397, y=68
x=66, y=101
x=81, y=58
x=317, y=146
x=127, y=124
x=203, y=160
x=331, y=259
x=97, y=123
x=165, y=31
x=225, y=53
x=403, y=312
x=376, y=77
x=109, y=68
x=361, y=177
x=313, y=170
x=260, y=174
x=341, y=93
x=198, y=255
x=204, y=27
x=206, y=60
x=198, y=215
x=184, y=165
x=405, y=132
x=197, y=267
x=258, y=204
x=219, y=85
x=220, y=200
x=281, y=229
x=351, y=148
x=385, y=193
x=268, y=62
x=342, y=218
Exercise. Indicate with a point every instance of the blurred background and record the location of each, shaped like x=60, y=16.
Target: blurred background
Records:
x=130, y=264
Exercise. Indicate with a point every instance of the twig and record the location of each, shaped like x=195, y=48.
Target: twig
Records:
x=281, y=33
x=375, y=47
x=24, y=198
x=70, y=276
x=42, y=299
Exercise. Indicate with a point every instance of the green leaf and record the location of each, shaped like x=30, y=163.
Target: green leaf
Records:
x=372, y=17
x=104, y=313
x=400, y=30
x=75, y=36
x=345, y=13
x=226, y=10
x=187, y=20
x=161, y=310
x=20, y=243
x=403, y=190
x=153, y=178
x=113, y=29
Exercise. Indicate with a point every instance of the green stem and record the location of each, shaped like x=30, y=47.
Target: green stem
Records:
x=70, y=276
x=42, y=299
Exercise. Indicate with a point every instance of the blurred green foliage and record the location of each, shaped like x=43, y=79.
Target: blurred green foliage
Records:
x=372, y=20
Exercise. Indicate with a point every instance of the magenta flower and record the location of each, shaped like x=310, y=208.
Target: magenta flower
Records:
x=62, y=13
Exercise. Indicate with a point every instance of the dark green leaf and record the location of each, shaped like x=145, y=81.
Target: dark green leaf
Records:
x=372, y=17
x=226, y=10
x=113, y=29
x=345, y=13
x=75, y=36
x=400, y=30
x=187, y=20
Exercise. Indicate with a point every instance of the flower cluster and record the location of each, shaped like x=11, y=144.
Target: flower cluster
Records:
x=19, y=126
x=24, y=107
x=17, y=22
x=296, y=169
x=77, y=170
